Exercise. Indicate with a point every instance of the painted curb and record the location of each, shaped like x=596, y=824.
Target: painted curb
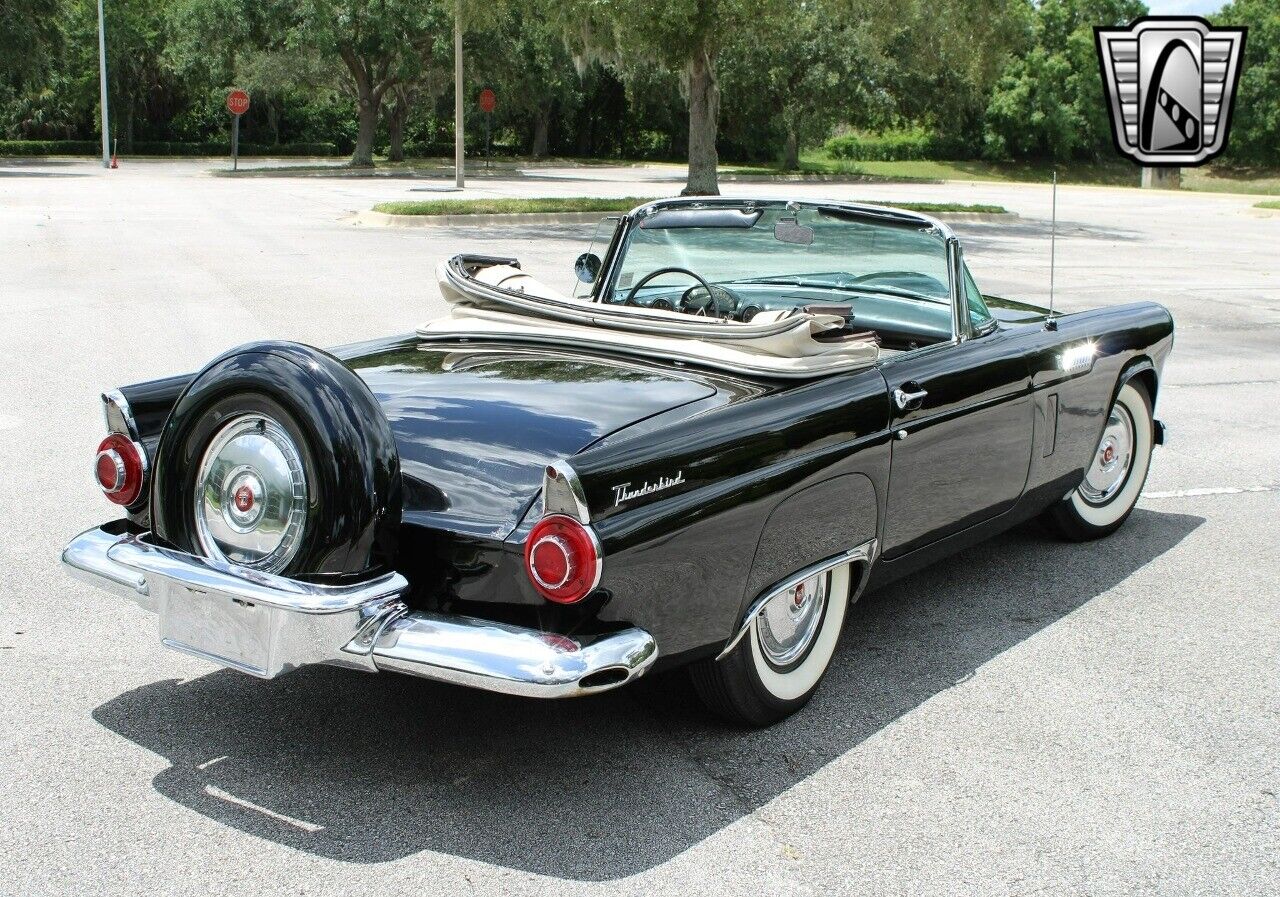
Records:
x=371, y=218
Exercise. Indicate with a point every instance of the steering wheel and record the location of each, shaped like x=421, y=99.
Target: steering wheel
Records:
x=631, y=296
x=719, y=301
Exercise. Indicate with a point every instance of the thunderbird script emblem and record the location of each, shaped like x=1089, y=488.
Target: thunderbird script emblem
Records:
x=623, y=491
x=1170, y=82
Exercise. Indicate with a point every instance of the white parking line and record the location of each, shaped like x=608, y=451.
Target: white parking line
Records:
x=249, y=805
x=1210, y=490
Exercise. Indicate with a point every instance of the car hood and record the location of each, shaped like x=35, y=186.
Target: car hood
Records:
x=476, y=425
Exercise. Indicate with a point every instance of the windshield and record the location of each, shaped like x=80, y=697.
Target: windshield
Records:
x=821, y=250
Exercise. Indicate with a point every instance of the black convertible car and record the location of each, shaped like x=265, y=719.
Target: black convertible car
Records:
x=758, y=410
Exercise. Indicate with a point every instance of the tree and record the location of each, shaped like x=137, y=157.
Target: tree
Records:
x=1049, y=101
x=376, y=44
x=944, y=56
x=1255, y=124
x=816, y=67
x=382, y=44
x=682, y=36
x=29, y=31
x=273, y=77
x=526, y=61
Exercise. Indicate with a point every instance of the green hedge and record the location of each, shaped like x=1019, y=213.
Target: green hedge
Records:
x=49, y=148
x=162, y=148
x=897, y=146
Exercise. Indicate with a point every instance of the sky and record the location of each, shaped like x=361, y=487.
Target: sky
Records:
x=1184, y=7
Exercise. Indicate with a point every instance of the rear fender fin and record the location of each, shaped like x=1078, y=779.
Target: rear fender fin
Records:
x=562, y=493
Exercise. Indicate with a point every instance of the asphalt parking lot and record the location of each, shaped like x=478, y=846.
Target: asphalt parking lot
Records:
x=1031, y=717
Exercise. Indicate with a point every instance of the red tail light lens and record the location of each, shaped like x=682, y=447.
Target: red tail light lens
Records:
x=120, y=467
x=563, y=559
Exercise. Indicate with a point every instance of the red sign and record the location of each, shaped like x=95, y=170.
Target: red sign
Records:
x=488, y=100
x=237, y=102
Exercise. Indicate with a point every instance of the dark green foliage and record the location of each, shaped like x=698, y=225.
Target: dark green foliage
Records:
x=50, y=147
x=897, y=146
x=1255, y=126
x=906, y=80
x=164, y=148
x=1048, y=102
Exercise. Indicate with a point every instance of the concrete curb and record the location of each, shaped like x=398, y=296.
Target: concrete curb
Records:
x=371, y=218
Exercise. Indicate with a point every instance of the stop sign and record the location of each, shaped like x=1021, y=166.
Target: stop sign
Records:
x=488, y=100
x=237, y=102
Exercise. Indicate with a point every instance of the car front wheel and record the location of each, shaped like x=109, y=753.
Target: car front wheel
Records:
x=1116, y=473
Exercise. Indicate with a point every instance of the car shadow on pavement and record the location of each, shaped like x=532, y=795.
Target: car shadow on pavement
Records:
x=367, y=770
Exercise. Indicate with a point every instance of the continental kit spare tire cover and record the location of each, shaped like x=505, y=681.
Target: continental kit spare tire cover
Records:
x=278, y=458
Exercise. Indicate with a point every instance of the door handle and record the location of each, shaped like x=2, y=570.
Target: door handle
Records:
x=907, y=401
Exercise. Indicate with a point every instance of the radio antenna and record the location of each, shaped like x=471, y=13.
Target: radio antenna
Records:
x=1049, y=322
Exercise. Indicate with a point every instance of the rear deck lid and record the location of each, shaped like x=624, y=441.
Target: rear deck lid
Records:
x=476, y=424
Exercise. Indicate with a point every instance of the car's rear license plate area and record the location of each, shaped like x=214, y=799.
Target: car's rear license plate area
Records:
x=225, y=630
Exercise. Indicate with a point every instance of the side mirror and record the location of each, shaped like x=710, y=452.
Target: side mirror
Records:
x=587, y=267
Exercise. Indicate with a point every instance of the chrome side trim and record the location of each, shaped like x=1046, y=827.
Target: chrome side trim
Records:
x=562, y=493
x=267, y=625
x=865, y=552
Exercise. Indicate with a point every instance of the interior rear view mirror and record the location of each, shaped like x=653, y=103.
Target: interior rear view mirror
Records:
x=789, y=230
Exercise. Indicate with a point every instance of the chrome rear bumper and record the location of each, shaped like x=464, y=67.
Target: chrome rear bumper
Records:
x=267, y=625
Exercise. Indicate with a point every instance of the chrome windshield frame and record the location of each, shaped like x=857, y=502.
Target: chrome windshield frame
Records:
x=886, y=214
x=961, y=328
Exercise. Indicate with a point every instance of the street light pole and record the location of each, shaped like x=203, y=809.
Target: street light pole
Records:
x=459, y=177
x=102, y=84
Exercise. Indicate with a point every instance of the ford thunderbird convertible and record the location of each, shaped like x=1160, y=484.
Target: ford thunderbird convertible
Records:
x=748, y=414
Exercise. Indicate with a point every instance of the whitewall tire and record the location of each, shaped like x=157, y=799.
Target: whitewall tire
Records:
x=779, y=662
x=1116, y=473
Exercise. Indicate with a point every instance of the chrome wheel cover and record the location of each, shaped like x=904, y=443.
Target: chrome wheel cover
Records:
x=251, y=495
x=1112, y=460
x=787, y=625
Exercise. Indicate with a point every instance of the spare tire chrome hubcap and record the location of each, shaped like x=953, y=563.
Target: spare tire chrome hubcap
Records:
x=251, y=495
